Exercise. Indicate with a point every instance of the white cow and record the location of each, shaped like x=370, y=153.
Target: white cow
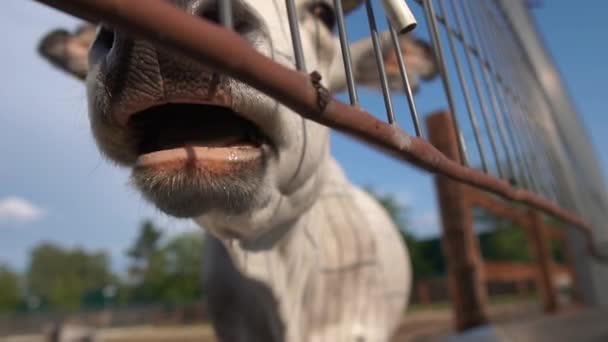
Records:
x=296, y=252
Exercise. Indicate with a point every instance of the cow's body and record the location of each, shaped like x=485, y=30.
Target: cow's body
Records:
x=341, y=274
x=296, y=252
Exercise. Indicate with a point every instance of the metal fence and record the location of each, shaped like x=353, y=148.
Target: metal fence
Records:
x=521, y=150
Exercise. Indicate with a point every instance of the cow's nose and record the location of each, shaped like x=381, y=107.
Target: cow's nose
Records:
x=244, y=21
x=136, y=72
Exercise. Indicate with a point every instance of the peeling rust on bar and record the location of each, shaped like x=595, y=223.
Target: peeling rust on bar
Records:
x=163, y=24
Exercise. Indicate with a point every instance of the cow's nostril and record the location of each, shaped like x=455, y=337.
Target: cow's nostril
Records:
x=106, y=37
x=103, y=43
x=210, y=13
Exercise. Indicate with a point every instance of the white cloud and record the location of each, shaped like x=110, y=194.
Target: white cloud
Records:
x=17, y=209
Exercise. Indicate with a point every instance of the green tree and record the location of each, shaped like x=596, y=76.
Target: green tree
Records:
x=62, y=278
x=146, y=243
x=147, y=268
x=503, y=239
x=167, y=272
x=10, y=294
x=183, y=261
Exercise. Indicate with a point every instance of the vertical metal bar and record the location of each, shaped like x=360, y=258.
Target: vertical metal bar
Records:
x=540, y=106
x=520, y=153
x=491, y=88
x=558, y=171
x=225, y=11
x=510, y=61
x=527, y=92
x=406, y=81
x=489, y=85
x=296, y=41
x=518, y=149
x=346, y=58
x=519, y=137
x=482, y=29
x=578, y=172
x=429, y=12
x=380, y=62
x=544, y=153
x=528, y=141
x=530, y=95
x=461, y=141
x=530, y=92
x=478, y=90
x=535, y=131
x=465, y=91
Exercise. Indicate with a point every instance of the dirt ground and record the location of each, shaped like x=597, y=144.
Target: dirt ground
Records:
x=419, y=325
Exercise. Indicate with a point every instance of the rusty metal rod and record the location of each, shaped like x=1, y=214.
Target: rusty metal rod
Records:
x=214, y=46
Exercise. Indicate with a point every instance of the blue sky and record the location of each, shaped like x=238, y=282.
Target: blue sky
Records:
x=54, y=186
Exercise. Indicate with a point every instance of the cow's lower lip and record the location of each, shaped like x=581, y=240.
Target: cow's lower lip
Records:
x=213, y=159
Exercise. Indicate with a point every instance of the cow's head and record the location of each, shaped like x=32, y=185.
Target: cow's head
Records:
x=205, y=146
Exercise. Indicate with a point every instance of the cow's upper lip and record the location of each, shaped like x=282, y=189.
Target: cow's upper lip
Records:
x=174, y=125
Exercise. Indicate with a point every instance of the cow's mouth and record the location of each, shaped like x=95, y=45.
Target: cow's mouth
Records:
x=194, y=131
x=193, y=157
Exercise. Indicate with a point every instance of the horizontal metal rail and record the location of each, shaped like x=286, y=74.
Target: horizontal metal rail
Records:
x=212, y=45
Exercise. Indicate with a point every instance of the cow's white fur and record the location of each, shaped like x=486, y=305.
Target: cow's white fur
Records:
x=307, y=256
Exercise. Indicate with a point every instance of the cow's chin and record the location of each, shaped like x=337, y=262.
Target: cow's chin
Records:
x=189, y=181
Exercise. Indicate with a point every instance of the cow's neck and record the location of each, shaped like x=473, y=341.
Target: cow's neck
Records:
x=292, y=239
x=293, y=262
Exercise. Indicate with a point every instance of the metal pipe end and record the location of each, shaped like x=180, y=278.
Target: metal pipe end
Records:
x=399, y=15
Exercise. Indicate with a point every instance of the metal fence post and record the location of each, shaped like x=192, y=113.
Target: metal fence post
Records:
x=580, y=174
x=459, y=242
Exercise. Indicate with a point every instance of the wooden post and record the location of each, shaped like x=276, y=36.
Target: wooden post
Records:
x=540, y=243
x=459, y=242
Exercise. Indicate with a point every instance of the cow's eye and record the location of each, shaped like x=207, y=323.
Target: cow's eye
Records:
x=325, y=13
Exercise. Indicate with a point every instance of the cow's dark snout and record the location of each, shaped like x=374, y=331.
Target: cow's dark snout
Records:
x=245, y=21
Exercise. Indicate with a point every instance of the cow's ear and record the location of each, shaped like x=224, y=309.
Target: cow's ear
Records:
x=68, y=51
x=418, y=55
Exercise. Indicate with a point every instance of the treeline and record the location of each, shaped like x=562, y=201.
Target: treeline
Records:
x=161, y=270
x=500, y=240
x=167, y=270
